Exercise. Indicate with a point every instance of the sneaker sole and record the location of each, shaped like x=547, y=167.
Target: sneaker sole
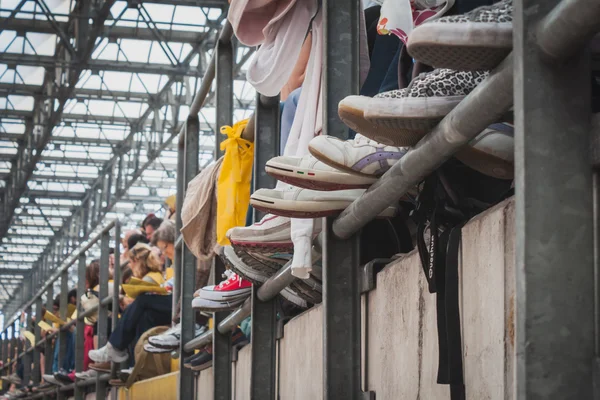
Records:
x=318, y=180
x=163, y=346
x=215, y=306
x=229, y=296
x=202, y=367
x=354, y=118
x=461, y=46
x=305, y=208
x=485, y=163
x=409, y=118
x=269, y=247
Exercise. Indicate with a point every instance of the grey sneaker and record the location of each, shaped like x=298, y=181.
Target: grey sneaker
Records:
x=410, y=113
x=477, y=40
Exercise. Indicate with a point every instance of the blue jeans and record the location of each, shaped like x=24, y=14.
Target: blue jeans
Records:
x=69, y=359
x=287, y=117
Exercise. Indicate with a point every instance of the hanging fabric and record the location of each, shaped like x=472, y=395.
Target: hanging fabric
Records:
x=233, y=184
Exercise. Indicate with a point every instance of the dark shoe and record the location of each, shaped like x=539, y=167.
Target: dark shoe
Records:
x=63, y=377
x=202, y=361
x=101, y=367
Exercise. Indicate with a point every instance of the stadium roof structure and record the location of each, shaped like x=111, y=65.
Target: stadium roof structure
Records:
x=92, y=94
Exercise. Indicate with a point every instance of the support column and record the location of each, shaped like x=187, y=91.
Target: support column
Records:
x=103, y=310
x=62, y=336
x=553, y=197
x=341, y=295
x=80, y=338
x=264, y=321
x=37, y=367
x=188, y=263
x=224, y=109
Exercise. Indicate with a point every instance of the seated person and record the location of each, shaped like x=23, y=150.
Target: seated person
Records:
x=145, y=312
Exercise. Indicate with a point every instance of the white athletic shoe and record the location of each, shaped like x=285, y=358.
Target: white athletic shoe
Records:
x=310, y=173
x=108, y=353
x=357, y=156
x=306, y=203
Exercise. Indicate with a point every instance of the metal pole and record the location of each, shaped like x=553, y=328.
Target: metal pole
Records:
x=224, y=110
x=553, y=213
x=264, y=322
x=27, y=357
x=80, y=338
x=341, y=295
x=116, y=279
x=37, y=368
x=188, y=263
x=49, y=346
x=62, y=336
x=102, y=310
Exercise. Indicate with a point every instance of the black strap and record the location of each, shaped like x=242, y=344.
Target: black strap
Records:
x=450, y=367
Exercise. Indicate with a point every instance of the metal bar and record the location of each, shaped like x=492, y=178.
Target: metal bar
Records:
x=37, y=368
x=80, y=338
x=83, y=248
x=224, y=116
x=188, y=261
x=207, y=80
x=116, y=282
x=199, y=342
x=341, y=296
x=48, y=345
x=482, y=107
x=264, y=313
x=28, y=356
x=554, y=305
x=568, y=28
x=64, y=300
x=236, y=317
x=103, y=311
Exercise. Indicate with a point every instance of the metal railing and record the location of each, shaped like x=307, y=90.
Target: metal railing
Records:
x=49, y=341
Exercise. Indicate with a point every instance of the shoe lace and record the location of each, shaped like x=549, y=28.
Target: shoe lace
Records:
x=231, y=277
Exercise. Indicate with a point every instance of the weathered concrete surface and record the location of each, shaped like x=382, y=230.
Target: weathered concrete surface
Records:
x=241, y=372
x=301, y=357
x=205, y=385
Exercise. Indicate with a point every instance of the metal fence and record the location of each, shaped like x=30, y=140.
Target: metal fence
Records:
x=546, y=80
x=15, y=349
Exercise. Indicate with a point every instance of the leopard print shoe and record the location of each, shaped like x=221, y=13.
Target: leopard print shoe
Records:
x=477, y=40
x=402, y=117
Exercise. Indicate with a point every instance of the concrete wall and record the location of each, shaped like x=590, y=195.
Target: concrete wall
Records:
x=401, y=335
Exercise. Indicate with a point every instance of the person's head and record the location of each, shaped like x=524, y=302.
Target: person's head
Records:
x=135, y=239
x=128, y=234
x=164, y=239
x=72, y=296
x=111, y=263
x=143, y=260
x=151, y=226
x=146, y=219
x=92, y=275
x=126, y=275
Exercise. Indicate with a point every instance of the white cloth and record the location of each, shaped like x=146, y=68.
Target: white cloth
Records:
x=273, y=63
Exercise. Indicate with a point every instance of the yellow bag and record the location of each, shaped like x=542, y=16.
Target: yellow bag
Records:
x=233, y=185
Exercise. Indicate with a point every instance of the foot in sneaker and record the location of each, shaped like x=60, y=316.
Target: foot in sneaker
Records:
x=477, y=40
x=309, y=173
x=360, y=155
x=108, y=353
x=409, y=114
x=85, y=375
x=491, y=152
x=306, y=203
x=169, y=339
x=271, y=234
x=232, y=289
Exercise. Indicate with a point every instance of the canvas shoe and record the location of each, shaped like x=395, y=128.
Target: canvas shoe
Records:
x=86, y=375
x=271, y=234
x=491, y=152
x=477, y=40
x=51, y=379
x=101, y=367
x=300, y=292
x=232, y=288
x=169, y=339
x=360, y=155
x=108, y=353
x=202, y=360
x=306, y=203
x=413, y=112
x=310, y=173
x=201, y=304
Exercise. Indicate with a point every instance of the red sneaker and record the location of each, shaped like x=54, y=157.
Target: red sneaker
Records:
x=231, y=289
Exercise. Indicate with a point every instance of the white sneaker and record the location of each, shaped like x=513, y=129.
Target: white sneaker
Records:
x=85, y=375
x=214, y=306
x=155, y=350
x=170, y=338
x=358, y=156
x=305, y=203
x=272, y=233
x=492, y=152
x=51, y=379
x=310, y=173
x=108, y=353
